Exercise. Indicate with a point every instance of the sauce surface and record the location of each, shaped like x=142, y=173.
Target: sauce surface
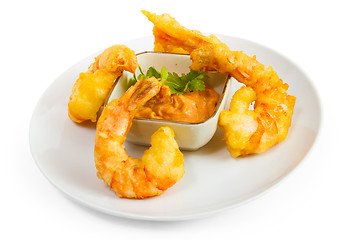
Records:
x=193, y=107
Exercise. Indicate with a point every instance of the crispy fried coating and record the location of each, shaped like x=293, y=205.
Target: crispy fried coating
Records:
x=163, y=161
x=239, y=123
x=170, y=36
x=92, y=88
x=89, y=94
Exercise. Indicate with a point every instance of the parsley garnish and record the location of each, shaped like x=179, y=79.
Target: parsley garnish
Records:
x=192, y=81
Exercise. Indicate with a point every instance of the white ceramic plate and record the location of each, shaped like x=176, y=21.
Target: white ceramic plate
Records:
x=213, y=180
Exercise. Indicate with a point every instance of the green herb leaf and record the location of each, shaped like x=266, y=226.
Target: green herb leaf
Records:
x=152, y=72
x=196, y=85
x=141, y=71
x=193, y=81
x=132, y=80
x=164, y=75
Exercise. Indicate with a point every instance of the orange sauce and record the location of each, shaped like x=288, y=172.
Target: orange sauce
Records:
x=193, y=107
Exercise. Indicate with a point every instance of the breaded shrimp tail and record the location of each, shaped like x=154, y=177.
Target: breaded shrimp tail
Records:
x=170, y=36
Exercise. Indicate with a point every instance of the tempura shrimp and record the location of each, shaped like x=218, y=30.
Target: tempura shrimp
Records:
x=273, y=107
x=91, y=88
x=245, y=131
x=161, y=165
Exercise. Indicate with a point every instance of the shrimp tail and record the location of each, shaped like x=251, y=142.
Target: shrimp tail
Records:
x=170, y=36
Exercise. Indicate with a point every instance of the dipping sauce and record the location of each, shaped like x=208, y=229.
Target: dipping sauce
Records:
x=192, y=107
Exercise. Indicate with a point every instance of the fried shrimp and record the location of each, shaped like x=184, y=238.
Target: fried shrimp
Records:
x=161, y=165
x=91, y=88
x=249, y=131
x=246, y=131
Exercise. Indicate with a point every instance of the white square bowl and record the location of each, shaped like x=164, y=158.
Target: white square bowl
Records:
x=189, y=136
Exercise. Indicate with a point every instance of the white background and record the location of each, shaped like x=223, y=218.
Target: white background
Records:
x=319, y=200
